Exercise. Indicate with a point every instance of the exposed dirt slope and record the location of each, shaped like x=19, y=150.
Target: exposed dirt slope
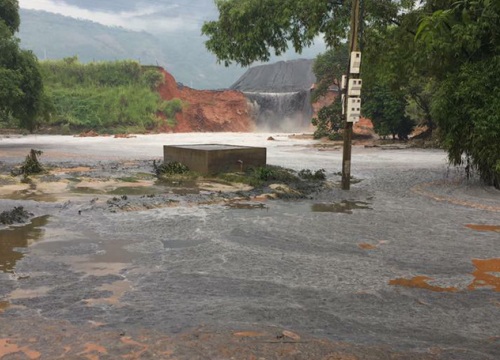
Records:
x=207, y=110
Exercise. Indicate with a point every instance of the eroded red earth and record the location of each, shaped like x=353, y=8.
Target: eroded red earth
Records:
x=207, y=110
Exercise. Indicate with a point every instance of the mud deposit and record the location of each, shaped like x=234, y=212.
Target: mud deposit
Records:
x=113, y=264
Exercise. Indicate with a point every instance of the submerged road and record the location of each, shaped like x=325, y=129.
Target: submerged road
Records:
x=406, y=265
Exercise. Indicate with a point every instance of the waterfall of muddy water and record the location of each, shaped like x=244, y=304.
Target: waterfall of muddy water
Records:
x=281, y=111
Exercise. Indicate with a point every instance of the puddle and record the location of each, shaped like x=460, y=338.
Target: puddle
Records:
x=185, y=191
x=29, y=293
x=19, y=237
x=30, y=195
x=79, y=169
x=344, y=207
x=86, y=190
x=98, y=257
x=117, y=289
x=421, y=282
x=112, y=252
x=487, y=274
x=478, y=227
x=247, y=206
x=136, y=190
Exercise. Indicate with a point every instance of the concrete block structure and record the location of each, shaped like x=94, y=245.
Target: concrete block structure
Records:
x=210, y=159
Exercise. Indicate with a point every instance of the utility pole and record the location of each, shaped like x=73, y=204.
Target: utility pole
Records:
x=353, y=47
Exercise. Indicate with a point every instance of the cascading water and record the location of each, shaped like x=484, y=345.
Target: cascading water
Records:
x=288, y=111
x=279, y=94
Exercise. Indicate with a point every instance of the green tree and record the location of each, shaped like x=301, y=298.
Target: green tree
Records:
x=9, y=14
x=463, y=41
x=249, y=30
x=328, y=69
x=21, y=87
x=386, y=108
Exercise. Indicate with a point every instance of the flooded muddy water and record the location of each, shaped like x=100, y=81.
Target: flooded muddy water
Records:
x=15, y=237
x=121, y=266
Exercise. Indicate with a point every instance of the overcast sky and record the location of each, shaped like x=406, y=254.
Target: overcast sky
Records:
x=155, y=17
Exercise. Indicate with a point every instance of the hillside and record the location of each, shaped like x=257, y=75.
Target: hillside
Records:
x=53, y=36
x=125, y=97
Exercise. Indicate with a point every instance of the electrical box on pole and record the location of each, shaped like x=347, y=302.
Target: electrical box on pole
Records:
x=354, y=87
x=355, y=62
x=353, y=109
x=344, y=82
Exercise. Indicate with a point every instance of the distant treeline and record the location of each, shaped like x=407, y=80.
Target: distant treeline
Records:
x=107, y=97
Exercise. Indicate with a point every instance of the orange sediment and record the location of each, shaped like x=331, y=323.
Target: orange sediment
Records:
x=421, y=282
x=484, y=275
x=478, y=227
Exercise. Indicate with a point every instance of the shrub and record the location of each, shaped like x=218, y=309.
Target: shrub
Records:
x=170, y=168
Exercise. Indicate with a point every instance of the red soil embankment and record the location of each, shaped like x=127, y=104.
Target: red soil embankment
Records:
x=207, y=110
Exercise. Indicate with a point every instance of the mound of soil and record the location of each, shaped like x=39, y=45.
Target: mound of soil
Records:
x=206, y=110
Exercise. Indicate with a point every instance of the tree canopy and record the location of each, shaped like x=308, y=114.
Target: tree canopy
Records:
x=10, y=14
x=21, y=87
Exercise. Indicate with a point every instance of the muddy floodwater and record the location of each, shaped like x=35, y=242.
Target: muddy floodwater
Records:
x=115, y=264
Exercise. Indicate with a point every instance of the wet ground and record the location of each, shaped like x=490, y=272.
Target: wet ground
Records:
x=112, y=265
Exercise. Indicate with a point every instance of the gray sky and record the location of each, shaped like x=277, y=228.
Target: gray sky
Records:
x=154, y=17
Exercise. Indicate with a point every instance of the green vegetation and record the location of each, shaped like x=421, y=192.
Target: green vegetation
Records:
x=318, y=175
x=170, y=168
x=16, y=215
x=328, y=68
x=262, y=176
x=107, y=97
x=30, y=166
x=21, y=87
x=464, y=46
x=433, y=62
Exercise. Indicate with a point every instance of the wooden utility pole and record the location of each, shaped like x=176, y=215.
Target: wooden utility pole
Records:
x=353, y=46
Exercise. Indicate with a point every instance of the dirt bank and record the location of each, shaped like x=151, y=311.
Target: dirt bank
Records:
x=207, y=110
